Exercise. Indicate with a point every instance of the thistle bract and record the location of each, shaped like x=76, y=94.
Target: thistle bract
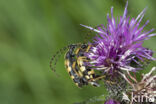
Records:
x=145, y=89
x=119, y=43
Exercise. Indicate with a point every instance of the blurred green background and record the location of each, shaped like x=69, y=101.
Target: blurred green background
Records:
x=31, y=31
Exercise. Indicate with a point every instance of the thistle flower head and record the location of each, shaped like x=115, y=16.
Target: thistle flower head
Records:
x=119, y=43
x=110, y=101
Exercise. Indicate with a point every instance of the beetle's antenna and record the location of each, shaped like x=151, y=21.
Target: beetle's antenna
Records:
x=55, y=57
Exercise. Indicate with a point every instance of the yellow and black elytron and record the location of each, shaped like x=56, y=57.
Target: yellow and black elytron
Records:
x=75, y=60
x=74, y=63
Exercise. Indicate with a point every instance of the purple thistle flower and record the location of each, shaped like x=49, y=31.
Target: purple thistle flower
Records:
x=110, y=101
x=120, y=43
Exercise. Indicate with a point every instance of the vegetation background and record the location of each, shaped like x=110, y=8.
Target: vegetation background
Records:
x=31, y=31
